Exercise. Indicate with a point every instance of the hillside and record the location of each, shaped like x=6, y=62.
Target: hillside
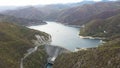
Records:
x=37, y=59
x=72, y=13
x=48, y=12
x=105, y=56
x=108, y=28
x=20, y=21
x=102, y=15
x=52, y=11
x=26, y=12
x=79, y=14
x=101, y=19
x=15, y=40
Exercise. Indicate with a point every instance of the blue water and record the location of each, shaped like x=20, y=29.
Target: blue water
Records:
x=49, y=66
x=66, y=36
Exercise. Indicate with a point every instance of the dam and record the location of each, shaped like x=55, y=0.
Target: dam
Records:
x=53, y=52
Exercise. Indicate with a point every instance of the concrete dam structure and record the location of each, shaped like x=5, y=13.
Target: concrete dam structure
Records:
x=53, y=52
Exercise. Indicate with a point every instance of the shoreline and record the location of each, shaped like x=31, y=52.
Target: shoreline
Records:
x=90, y=37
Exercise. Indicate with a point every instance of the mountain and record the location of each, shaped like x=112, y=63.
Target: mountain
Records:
x=107, y=28
x=15, y=40
x=42, y=12
x=105, y=14
x=105, y=56
x=82, y=3
x=79, y=14
x=102, y=15
x=47, y=12
x=4, y=8
x=52, y=11
x=26, y=12
x=104, y=25
x=20, y=21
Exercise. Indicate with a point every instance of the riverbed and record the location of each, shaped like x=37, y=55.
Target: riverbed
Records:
x=66, y=36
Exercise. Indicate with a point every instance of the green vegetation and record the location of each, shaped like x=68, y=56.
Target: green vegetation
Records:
x=102, y=18
x=15, y=40
x=36, y=59
x=108, y=28
x=20, y=21
x=83, y=13
x=105, y=56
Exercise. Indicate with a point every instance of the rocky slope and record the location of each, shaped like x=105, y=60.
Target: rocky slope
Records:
x=15, y=40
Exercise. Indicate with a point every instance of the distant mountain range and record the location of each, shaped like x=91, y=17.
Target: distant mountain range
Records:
x=4, y=8
x=75, y=13
x=78, y=15
x=20, y=21
x=47, y=12
x=27, y=12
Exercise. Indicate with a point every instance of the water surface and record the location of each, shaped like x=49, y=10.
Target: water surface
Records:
x=66, y=36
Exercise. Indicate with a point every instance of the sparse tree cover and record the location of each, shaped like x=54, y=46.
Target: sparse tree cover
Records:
x=37, y=60
x=101, y=19
x=107, y=55
x=20, y=21
x=80, y=14
x=15, y=40
x=108, y=28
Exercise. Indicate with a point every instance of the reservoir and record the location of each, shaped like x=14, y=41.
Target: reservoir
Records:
x=66, y=36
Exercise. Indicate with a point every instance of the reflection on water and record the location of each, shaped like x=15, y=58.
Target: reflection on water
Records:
x=66, y=36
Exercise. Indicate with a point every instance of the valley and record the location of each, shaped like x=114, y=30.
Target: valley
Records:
x=84, y=34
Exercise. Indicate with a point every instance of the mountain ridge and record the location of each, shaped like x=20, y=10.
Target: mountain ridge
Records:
x=20, y=21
